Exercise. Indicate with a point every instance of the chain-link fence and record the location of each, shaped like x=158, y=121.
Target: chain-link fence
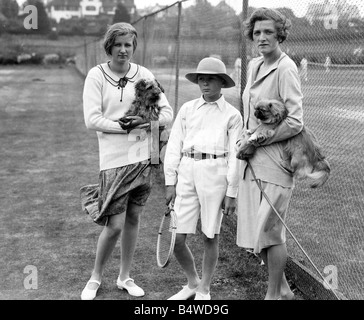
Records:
x=329, y=221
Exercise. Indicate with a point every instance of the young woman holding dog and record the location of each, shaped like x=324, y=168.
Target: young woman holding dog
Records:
x=124, y=180
x=273, y=75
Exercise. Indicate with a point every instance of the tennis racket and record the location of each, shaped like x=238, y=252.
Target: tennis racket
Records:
x=166, y=237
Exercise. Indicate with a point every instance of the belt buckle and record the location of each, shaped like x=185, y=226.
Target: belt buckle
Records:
x=197, y=156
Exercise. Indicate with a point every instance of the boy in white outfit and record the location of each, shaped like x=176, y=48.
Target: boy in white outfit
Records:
x=200, y=169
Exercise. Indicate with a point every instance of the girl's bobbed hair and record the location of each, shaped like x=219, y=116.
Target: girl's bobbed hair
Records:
x=119, y=29
x=281, y=23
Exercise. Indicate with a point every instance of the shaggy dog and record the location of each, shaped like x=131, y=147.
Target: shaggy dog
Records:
x=305, y=154
x=145, y=105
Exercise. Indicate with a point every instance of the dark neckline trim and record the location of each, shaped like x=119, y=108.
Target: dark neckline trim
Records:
x=122, y=82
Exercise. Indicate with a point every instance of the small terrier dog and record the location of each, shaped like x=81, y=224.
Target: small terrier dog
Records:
x=145, y=105
x=304, y=152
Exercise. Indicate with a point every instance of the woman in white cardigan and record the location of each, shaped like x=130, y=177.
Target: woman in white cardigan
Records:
x=273, y=75
x=125, y=165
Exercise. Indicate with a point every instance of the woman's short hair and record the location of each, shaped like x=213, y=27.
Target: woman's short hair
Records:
x=119, y=29
x=281, y=23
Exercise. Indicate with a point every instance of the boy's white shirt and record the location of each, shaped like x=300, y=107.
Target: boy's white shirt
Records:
x=205, y=127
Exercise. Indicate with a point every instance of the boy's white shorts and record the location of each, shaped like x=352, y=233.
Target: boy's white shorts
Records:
x=200, y=191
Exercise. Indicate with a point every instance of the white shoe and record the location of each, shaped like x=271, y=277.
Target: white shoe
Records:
x=184, y=294
x=90, y=294
x=132, y=289
x=201, y=296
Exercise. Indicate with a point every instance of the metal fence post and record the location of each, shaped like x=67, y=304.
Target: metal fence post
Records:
x=243, y=48
x=144, y=41
x=177, y=57
x=86, y=58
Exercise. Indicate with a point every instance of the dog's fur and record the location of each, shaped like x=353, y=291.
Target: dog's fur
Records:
x=145, y=105
x=304, y=152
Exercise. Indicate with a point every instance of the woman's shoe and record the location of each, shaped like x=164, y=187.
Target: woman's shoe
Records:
x=90, y=294
x=132, y=288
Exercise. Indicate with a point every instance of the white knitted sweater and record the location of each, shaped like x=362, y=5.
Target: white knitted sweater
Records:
x=102, y=107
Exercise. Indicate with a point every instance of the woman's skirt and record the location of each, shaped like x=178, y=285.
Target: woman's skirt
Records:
x=258, y=226
x=117, y=187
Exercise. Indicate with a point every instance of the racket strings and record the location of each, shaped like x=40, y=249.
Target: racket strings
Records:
x=166, y=237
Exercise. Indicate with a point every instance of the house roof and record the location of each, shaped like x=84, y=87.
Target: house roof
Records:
x=319, y=10
x=316, y=9
x=109, y=2
x=64, y=3
x=105, y=3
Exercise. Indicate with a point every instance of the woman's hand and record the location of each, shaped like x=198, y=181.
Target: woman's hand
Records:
x=133, y=122
x=244, y=148
x=228, y=205
x=245, y=151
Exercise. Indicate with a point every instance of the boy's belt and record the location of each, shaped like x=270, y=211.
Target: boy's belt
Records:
x=203, y=156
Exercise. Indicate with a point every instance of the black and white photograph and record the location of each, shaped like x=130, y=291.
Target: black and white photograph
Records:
x=182, y=150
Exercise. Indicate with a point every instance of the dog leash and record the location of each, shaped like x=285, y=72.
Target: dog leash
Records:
x=257, y=181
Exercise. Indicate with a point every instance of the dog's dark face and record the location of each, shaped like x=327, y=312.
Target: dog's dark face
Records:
x=148, y=90
x=270, y=111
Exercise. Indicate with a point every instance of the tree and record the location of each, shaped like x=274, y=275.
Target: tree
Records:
x=199, y=28
x=288, y=13
x=9, y=8
x=121, y=14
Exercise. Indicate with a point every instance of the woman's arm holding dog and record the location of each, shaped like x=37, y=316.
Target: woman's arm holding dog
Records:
x=92, y=102
x=291, y=94
x=166, y=113
x=244, y=148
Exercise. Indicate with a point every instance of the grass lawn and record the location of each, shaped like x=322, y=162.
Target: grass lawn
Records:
x=47, y=154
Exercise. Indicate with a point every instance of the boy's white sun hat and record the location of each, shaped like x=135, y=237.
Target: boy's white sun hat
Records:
x=211, y=65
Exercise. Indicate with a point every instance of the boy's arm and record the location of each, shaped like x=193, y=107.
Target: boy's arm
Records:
x=234, y=132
